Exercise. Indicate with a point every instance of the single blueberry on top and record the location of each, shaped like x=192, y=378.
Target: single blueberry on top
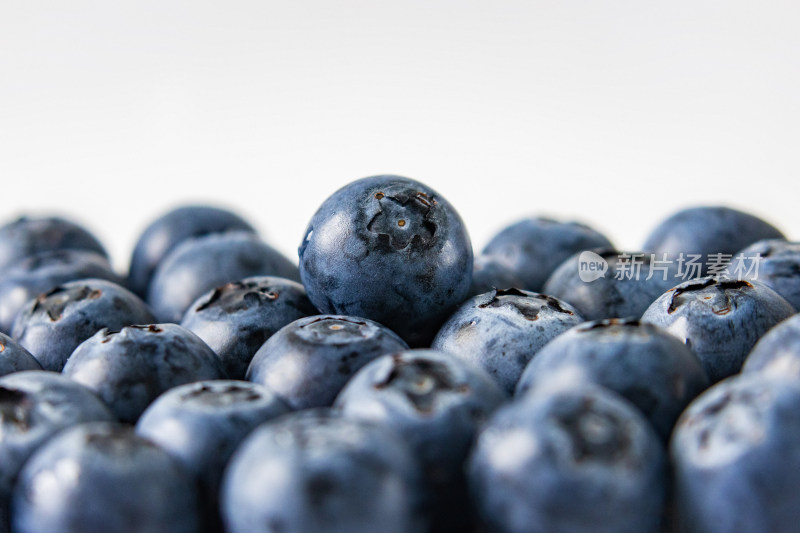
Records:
x=719, y=320
x=130, y=368
x=501, y=330
x=238, y=317
x=103, y=477
x=773, y=262
x=389, y=249
x=29, y=236
x=15, y=358
x=37, y=274
x=308, y=361
x=198, y=265
x=646, y=365
x=533, y=248
x=735, y=460
x=201, y=424
x=56, y=322
x=34, y=407
x=313, y=471
x=437, y=403
x=707, y=231
x=572, y=460
x=777, y=353
x=169, y=230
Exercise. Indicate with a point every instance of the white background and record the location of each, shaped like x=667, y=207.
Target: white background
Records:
x=616, y=113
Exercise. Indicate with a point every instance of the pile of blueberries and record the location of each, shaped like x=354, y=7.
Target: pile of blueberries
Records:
x=392, y=382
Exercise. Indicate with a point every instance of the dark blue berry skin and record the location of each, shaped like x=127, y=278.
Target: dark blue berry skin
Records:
x=56, y=322
x=641, y=362
x=777, y=353
x=500, y=331
x=238, y=317
x=15, y=358
x=29, y=236
x=719, y=320
x=130, y=368
x=735, y=460
x=534, y=247
x=308, y=361
x=570, y=460
x=103, y=477
x=171, y=229
x=437, y=403
x=199, y=265
x=489, y=273
x=389, y=249
x=609, y=297
x=34, y=407
x=708, y=230
x=40, y=273
x=201, y=424
x=778, y=267
x=315, y=472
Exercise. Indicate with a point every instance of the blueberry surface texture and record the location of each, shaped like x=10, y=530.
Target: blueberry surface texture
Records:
x=646, y=365
x=389, y=249
x=15, y=358
x=130, y=368
x=534, y=247
x=720, y=320
x=238, y=317
x=777, y=353
x=489, y=273
x=706, y=231
x=778, y=267
x=201, y=424
x=171, y=229
x=29, y=236
x=34, y=407
x=501, y=330
x=308, y=361
x=315, y=472
x=437, y=403
x=201, y=264
x=622, y=292
x=734, y=453
x=37, y=274
x=103, y=477
x=569, y=461
x=52, y=325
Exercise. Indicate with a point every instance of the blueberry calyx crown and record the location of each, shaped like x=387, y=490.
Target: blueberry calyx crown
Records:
x=404, y=220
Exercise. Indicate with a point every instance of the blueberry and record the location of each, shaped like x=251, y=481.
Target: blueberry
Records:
x=34, y=407
x=734, y=453
x=534, y=247
x=103, y=477
x=199, y=265
x=171, y=229
x=56, y=322
x=652, y=369
x=501, y=330
x=569, y=460
x=777, y=353
x=624, y=290
x=437, y=403
x=29, y=236
x=389, y=249
x=15, y=358
x=308, y=361
x=489, y=273
x=34, y=275
x=238, y=317
x=314, y=472
x=201, y=424
x=778, y=267
x=707, y=231
x=719, y=320
x=131, y=367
